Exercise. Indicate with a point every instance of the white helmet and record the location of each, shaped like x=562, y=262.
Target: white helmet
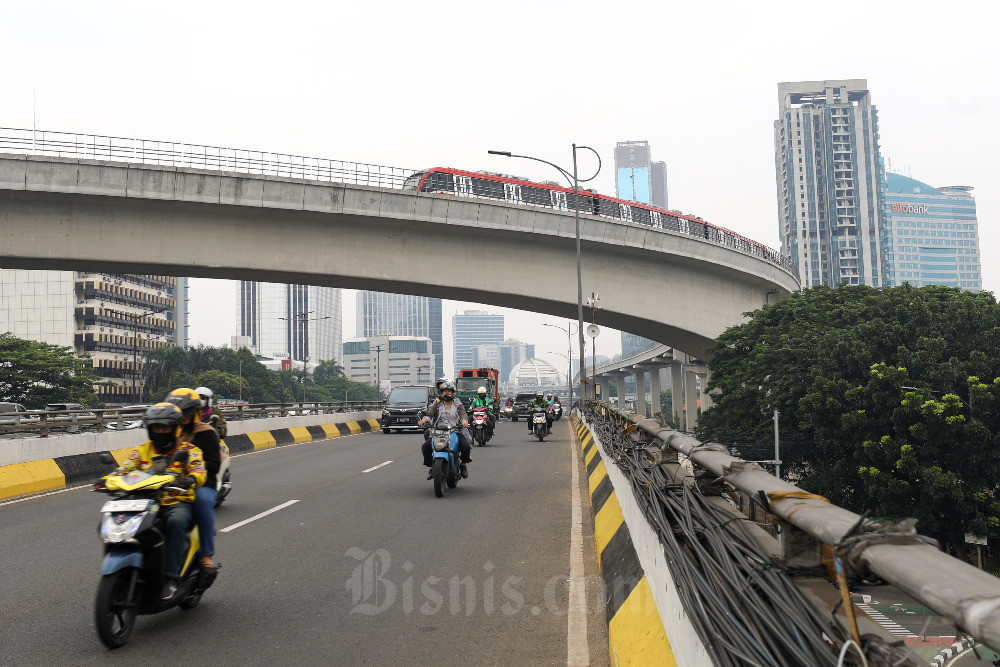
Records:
x=482, y=390
x=206, y=395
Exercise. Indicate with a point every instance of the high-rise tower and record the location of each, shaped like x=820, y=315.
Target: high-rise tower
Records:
x=297, y=322
x=829, y=173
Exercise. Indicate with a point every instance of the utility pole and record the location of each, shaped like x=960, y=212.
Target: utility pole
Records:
x=592, y=301
x=378, y=370
x=777, y=448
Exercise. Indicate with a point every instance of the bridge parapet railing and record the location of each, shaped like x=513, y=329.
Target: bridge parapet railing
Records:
x=43, y=423
x=269, y=163
x=956, y=590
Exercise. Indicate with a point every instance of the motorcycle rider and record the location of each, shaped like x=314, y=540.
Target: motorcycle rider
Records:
x=448, y=413
x=484, y=401
x=206, y=439
x=209, y=414
x=437, y=385
x=163, y=425
x=540, y=402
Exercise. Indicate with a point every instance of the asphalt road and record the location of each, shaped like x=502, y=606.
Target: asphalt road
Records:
x=365, y=568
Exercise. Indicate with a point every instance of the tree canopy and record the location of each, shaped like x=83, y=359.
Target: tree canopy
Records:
x=237, y=373
x=34, y=374
x=889, y=399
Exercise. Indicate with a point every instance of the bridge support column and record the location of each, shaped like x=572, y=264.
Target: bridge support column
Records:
x=706, y=398
x=690, y=400
x=640, y=392
x=677, y=392
x=654, y=392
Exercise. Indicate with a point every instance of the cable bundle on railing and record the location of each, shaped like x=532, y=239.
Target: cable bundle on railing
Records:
x=744, y=606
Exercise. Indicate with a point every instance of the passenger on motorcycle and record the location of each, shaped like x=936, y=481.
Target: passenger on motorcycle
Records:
x=205, y=438
x=448, y=413
x=209, y=414
x=163, y=426
x=484, y=401
x=540, y=402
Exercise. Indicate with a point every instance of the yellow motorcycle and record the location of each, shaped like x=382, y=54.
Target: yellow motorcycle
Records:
x=132, y=570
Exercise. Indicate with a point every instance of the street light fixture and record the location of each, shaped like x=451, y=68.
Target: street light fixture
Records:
x=135, y=317
x=592, y=301
x=569, y=343
x=302, y=319
x=575, y=180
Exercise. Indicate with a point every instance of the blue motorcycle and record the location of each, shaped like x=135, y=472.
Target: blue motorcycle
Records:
x=445, y=468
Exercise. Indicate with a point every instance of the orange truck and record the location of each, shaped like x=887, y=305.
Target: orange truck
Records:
x=469, y=381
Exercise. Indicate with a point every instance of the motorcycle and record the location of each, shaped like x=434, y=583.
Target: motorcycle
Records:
x=556, y=411
x=540, y=423
x=508, y=412
x=445, y=468
x=132, y=571
x=480, y=426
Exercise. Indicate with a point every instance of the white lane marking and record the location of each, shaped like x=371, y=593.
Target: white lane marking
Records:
x=258, y=516
x=891, y=626
x=578, y=651
x=377, y=467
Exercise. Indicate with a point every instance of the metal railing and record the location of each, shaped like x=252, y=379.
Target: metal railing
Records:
x=967, y=596
x=245, y=161
x=43, y=423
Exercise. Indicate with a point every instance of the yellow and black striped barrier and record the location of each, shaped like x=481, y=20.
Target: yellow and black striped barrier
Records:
x=636, y=634
x=21, y=479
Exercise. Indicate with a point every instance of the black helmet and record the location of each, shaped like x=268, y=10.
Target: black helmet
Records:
x=163, y=413
x=187, y=400
x=446, y=385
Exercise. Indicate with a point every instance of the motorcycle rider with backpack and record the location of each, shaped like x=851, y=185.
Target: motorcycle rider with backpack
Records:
x=447, y=413
x=542, y=404
x=209, y=414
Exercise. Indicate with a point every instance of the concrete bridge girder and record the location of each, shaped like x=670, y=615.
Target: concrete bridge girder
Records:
x=69, y=214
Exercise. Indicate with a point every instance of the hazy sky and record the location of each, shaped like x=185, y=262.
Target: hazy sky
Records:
x=416, y=84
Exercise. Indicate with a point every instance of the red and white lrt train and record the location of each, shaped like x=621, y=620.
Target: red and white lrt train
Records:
x=505, y=188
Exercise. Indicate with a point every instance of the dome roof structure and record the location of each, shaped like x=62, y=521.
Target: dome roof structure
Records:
x=534, y=373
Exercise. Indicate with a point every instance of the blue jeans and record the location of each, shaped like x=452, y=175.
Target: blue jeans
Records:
x=176, y=525
x=204, y=514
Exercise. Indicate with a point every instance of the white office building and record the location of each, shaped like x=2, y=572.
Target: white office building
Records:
x=296, y=322
x=114, y=318
x=396, y=359
x=388, y=314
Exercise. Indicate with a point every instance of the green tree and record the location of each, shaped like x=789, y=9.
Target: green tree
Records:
x=881, y=403
x=327, y=370
x=34, y=374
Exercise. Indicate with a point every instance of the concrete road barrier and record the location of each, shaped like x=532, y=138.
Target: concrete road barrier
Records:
x=74, y=459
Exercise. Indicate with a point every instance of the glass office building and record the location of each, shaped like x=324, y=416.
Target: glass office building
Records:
x=931, y=236
x=829, y=174
x=387, y=314
x=296, y=322
x=473, y=328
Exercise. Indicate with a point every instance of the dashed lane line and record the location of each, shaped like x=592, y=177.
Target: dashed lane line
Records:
x=258, y=516
x=377, y=467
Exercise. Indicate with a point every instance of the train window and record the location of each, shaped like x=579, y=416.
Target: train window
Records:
x=484, y=188
x=582, y=203
x=640, y=215
x=608, y=209
x=438, y=182
x=536, y=196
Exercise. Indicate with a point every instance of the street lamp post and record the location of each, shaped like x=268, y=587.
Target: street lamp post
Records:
x=569, y=345
x=575, y=180
x=135, y=317
x=378, y=371
x=302, y=319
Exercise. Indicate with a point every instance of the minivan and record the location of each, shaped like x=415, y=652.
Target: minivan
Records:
x=405, y=406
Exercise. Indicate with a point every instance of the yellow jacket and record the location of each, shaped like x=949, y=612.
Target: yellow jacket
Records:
x=142, y=459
